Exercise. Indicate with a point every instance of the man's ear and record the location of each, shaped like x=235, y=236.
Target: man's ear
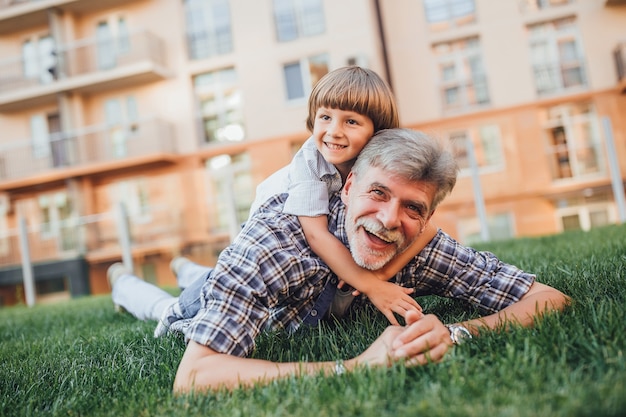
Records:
x=346, y=188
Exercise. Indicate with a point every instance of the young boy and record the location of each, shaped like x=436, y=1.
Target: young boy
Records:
x=346, y=107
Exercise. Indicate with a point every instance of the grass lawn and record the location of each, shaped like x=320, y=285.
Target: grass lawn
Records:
x=80, y=358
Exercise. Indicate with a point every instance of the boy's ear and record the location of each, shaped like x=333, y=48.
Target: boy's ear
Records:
x=346, y=188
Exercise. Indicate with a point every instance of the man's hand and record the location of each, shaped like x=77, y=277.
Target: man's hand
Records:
x=422, y=340
x=391, y=298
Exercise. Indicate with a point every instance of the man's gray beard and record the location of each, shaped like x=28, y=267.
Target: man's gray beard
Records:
x=385, y=256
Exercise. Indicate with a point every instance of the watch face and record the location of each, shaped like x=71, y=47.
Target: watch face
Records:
x=459, y=334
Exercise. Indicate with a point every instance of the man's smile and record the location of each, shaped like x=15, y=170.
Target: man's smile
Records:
x=377, y=235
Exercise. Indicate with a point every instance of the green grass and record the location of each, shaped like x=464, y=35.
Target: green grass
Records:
x=81, y=358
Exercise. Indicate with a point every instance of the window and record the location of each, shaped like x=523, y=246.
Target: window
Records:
x=208, y=28
x=301, y=76
x=220, y=106
x=487, y=149
x=135, y=196
x=585, y=212
x=48, y=141
x=298, y=18
x=121, y=118
x=232, y=191
x=40, y=138
x=39, y=59
x=443, y=14
x=500, y=227
x=463, y=78
x=534, y=5
x=557, y=56
x=58, y=220
x=113, y=41
x=573, y=141
x=4, y=225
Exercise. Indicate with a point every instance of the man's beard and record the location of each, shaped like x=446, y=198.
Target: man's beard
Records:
x=369, y=258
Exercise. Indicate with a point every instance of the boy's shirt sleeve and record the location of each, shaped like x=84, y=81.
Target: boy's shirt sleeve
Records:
x=311, y=181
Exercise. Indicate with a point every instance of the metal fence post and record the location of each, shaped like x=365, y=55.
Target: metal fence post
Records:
x=616, y=175
x=124, y=236
x=27, y=267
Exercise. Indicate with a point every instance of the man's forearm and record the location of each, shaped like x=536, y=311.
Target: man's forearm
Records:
x=203, y=369
x=540, y=299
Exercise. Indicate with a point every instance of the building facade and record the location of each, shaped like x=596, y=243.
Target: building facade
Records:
x=155, y=119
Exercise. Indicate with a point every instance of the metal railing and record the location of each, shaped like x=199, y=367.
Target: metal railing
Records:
x=93, y=234
x=560, y=76
x=465, y=94
x=85, y=56
x=8, y=3
x=83, y=147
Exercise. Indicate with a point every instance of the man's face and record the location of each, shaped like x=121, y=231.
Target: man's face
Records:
x=385, y=214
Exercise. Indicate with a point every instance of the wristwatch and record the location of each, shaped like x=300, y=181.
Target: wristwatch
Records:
x=458, y=333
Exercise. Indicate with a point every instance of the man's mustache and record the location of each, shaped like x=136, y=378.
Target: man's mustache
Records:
x=376, y=228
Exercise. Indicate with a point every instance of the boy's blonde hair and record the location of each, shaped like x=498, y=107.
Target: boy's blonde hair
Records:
x=355, y=89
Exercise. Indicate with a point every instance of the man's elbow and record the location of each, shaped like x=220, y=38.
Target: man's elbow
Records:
x=184, y=381
x=197, y=370
x=560, y=300
x=554, y=299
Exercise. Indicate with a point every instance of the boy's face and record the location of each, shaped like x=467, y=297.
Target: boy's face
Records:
x=340, y=135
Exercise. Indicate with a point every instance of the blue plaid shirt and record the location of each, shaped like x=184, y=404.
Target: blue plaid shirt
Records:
x=270, y=279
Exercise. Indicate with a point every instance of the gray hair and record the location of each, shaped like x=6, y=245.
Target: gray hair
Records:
x=412, y=155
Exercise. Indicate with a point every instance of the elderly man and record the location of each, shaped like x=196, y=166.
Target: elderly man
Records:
x=270, y=278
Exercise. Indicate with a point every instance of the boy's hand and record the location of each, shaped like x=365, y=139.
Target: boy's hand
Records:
x=391, y=298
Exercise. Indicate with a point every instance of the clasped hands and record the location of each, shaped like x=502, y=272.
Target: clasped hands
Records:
x=423, y=339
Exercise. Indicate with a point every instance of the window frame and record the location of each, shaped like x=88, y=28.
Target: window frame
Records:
x=298, y=19
x=479, y=135
x=460, y=68
x=307, y=75
x=547, y=64
x=207, y=32
x=222, y=92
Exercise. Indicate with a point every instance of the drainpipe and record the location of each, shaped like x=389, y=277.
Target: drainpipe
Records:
x=383, y=43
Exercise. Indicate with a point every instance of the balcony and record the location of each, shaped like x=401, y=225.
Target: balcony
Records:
x=86, y=66
x=88, y=151
x=21, y=14
x=619, y=53
x=95, y=237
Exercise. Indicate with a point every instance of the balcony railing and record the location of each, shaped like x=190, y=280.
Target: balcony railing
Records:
x=465, y=94
x=84, y=57
x=619, y=54
x=92, y=236
x=8, y=3
x=20, y=15
x=85, y=147
x=559, y=77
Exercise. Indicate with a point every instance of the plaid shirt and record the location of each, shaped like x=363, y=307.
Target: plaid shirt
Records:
x=270, y=279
